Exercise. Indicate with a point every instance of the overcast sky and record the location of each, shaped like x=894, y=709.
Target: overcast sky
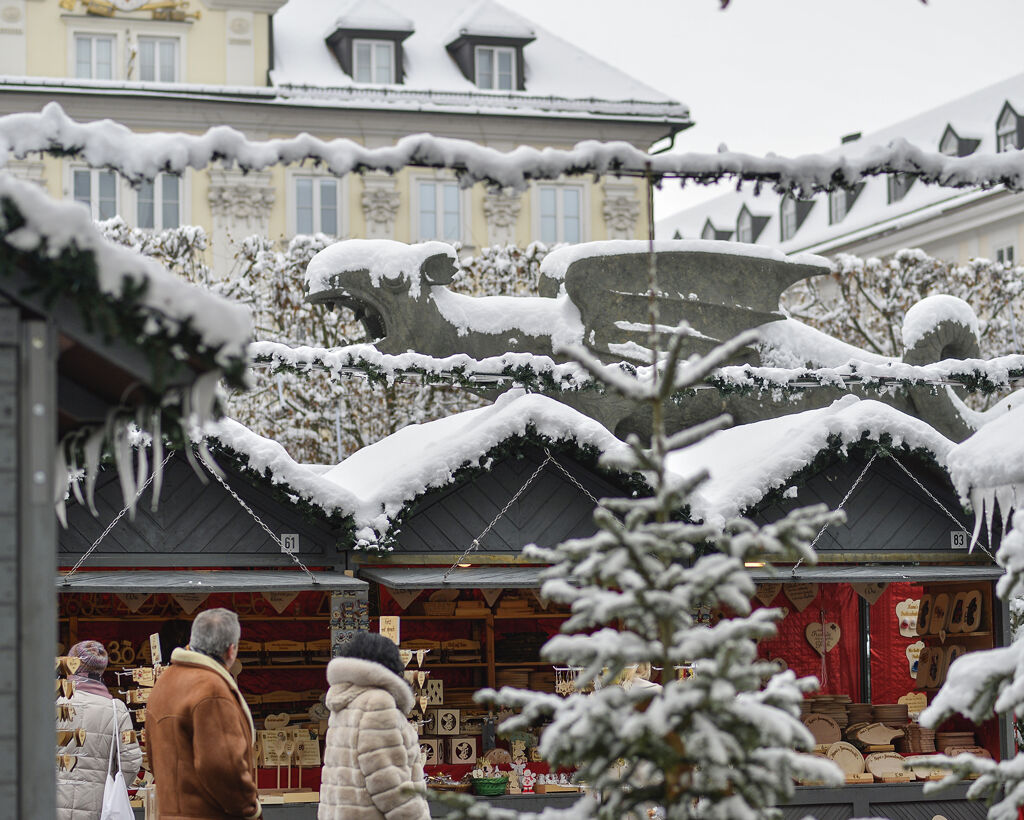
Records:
x=793, y=76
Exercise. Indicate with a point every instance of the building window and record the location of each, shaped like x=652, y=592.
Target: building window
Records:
x=707, y=233
x=373, y=61
x=317, y=205
x=899, y=185
x=1005, y=255
x=440, y=211
x=97, y=190
x=745, y=228
x=94, y=57
x=789, y=218
x=159, y=203
x=495, y=68
x=837, y=206
x=158, y=59
x=1006, y=131
x=560, y=214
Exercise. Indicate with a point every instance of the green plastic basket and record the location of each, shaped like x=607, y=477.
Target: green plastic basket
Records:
x=489, y=785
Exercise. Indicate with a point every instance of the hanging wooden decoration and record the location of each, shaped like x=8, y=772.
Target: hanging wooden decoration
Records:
x=542, y=602
x=915, y=703
x=801, y=595
x=907, y=617
x=404, y=597
x=823, y=637
x=491, y=595
x=189, y=601
x=405, y=655
x=280, y=600
x=870, y=592
x=940, y=614
x=766, y=593
x=914, y=657
x=133, y=600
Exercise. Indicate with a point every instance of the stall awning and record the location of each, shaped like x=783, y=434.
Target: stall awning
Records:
x=206, y=581
x=459, y=578
x=879, y=573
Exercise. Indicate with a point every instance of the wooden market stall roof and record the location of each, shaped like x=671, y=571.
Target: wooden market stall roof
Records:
x=487, y=577
x=879, y=573
x=207, y=581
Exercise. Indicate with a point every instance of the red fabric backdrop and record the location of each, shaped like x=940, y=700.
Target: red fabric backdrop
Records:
x=841, y=674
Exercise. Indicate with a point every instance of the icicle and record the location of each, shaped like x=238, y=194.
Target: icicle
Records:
x=142, y=461
x=978, y=505
x=1005, y=497
x=61, y=474
x=93, y=447
x=158, y=461
x=123, y=460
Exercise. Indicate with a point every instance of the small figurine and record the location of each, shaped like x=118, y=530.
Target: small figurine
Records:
x=529, y=778
x=513, y=783
x=518, y=751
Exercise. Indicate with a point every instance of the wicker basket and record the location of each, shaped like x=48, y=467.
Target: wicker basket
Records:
x=490, y=785
x=439, y=608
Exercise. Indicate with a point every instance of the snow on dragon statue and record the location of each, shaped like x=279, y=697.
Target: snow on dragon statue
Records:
x=596, y=294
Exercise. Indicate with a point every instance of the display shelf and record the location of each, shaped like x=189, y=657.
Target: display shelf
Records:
x=525, y=663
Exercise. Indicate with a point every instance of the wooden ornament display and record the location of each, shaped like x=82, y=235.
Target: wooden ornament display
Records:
x=913, y=652
x=915, y=703
x=801, y=595
x=972, y=611
x=823, y=637
x=825, y=730
x=907, y=616
x=940, y=612
x=886, y=765
x=846, y=756
x=277, y=721
x=877, y=734
x=924, y=614
x=957, y=608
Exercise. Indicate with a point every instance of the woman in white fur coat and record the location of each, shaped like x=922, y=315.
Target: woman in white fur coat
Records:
x=372, y=764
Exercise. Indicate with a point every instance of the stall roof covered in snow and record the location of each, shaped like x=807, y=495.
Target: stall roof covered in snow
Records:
x=558, y=75
x=33, y=224
x=745, y=463
x=386, y=476
x=382, y=259
x=973, y=119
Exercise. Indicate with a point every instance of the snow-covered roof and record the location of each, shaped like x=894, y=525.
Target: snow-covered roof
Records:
x=370, y=14
x=381, y=258
x=168, y=303
x=385, y=476
x=745, y=463
x=973, y=116
x=554, y=68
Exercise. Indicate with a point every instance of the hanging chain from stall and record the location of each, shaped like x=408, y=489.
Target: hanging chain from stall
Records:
x=276, y=539
x=938, y=503
x=846, y=498
x=67, y=576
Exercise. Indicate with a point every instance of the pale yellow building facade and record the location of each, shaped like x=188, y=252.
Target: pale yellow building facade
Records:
x=172, y=66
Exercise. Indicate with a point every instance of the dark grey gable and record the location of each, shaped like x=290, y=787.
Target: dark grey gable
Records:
x=887, y=513
x=195, y=525
x=551, y=509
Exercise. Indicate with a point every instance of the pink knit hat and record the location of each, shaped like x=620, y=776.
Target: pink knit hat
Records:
x=93, y=656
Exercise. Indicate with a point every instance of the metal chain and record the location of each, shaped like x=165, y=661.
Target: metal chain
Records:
x=475, y=544
x=846, y=498
x=571, y=477
x=67, y=576
x=938, y=503
x=259, y=521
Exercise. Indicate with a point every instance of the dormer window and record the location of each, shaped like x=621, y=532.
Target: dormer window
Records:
x=1008, y=130
x=899, y=185
x=749, y=226
x=793, y=212
x=711, y=232
x=953, y=145
x=373, y=61
x=836, y=207
x=367, y=42
x=487, y=46
x=496, y=68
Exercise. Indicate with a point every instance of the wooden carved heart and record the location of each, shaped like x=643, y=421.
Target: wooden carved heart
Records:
x=72, y=664
x=823, y=639
x=278, y=721
x=870, y=592
x=766, y=593
x=801, y=595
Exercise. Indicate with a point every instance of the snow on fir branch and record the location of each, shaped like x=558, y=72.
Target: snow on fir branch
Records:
x=140, y=157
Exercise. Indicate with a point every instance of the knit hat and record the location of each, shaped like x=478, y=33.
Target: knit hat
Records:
x=93, y=656
x=372, y=646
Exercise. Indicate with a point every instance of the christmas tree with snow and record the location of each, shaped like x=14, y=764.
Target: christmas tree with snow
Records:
x=725, y=742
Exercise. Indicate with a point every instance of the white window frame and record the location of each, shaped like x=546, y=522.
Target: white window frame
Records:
x=1006, y=132
x=158, y=43
x=1006, y=254
x=132, y=202
x=94, y=180
x=126, y=33
x=788, y=218
x=92, y=37
x=292, y=199
x=373, y=60
x=414, y=211
x=495, y=82
x=950, y=145
x=838, y=206
x=95, y=27
x=559, y=188
x=745, y=227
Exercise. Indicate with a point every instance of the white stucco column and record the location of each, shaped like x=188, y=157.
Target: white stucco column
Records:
x=240, y=205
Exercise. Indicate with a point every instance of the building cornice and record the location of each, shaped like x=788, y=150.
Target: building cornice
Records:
x=258, y=6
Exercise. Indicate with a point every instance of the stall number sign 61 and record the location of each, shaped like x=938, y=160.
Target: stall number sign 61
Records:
x=958, y=539
x=290, y=542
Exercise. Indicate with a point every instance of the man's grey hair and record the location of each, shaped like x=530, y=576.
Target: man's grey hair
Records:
x=214, y=630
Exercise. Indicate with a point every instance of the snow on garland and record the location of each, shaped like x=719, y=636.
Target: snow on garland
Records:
x=139, y=157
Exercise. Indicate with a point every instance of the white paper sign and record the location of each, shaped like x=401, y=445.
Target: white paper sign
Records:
x=389, y=628
x=154, y=649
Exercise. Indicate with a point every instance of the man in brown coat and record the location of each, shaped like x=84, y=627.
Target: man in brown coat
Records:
x=199, y=730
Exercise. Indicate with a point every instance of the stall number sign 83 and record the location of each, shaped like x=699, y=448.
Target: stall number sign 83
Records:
x=958, y=539
x=290, y=542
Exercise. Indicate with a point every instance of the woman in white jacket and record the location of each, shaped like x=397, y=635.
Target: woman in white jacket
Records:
x=94, y=710
x=372, y=764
